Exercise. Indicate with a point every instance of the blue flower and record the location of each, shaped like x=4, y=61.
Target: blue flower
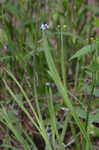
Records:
x=44, y=27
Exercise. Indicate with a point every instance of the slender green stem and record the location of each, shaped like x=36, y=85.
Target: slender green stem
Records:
x=63, y=70
x=88, y=147
x=89, y=104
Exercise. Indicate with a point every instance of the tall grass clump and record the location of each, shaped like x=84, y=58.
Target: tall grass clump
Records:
x=49, y=75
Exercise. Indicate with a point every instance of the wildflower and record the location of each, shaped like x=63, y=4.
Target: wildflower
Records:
x=58, y=26
x=5, y=46
x=44, y=26
x=64, y=26
x=92, y=38
x=65, y=14
x=47, y=83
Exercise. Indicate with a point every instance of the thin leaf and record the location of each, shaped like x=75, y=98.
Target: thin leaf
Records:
x=83, y=51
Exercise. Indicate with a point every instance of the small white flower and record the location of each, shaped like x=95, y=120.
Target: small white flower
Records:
x=5, y=47
x=65, y=14
x=44, y=26
x=47, y=83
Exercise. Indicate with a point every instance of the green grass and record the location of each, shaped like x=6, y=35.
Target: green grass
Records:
x=38, y=103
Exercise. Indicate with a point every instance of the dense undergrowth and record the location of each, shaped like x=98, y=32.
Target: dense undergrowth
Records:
x=49, y=75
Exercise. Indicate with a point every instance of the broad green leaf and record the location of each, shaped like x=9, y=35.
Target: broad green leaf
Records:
x=85, y=50
x=92, y=117
x=88, y=89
